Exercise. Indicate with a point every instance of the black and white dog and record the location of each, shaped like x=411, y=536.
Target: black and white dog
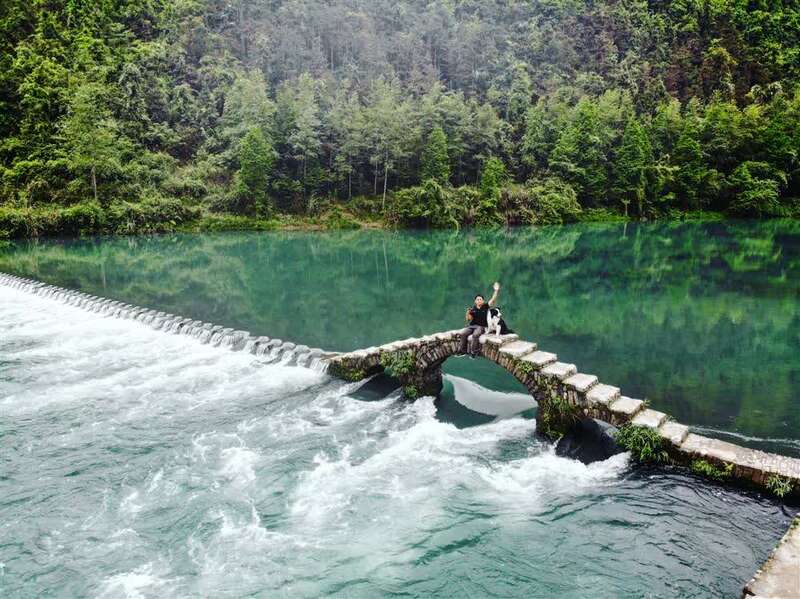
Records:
x=497, y=326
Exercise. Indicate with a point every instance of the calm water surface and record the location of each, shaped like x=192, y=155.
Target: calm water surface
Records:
x=136, y=463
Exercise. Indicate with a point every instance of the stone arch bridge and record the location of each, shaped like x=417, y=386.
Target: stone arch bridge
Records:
x=564, y=395
x=561, y=392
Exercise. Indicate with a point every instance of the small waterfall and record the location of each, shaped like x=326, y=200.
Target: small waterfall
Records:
x=177, y=324
x=315, y=360
x=208, y=334
x=240, y=340
x=287, y=353
x=218, y=336
x=188, y=327
x=207, y=331
x=302, y=354
x=251, y=347
x=270, y=350
x=201, y=329
x=266, y=349
x=275, y=352
x=265, y=345
x=234, y=340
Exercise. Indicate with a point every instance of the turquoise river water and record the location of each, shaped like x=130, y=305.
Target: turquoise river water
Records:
x=136, y=463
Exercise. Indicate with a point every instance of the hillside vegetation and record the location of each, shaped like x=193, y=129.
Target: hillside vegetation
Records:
x=124, y=116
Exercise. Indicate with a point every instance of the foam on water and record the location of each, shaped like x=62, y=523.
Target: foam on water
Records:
x=485, y=401
x=139, y=583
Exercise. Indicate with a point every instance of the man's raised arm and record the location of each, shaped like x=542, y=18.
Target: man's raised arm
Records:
x=493, y=299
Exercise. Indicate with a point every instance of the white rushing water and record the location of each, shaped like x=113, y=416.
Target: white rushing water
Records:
x=138, y=463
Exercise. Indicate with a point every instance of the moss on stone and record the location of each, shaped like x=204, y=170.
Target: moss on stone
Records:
x=410, y=392
x=347, y=373
x=524, y=367
x=556, y=416
x=398, y=364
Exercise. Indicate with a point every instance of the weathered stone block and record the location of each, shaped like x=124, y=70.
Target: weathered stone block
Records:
x=517, y=349
x=650, y=418
x=625, y=408
x=581, y=382
x=674, y=432
x=559, y=370
x=780, y=575
x=540, y=359
x=602, y=394
x=498, y=340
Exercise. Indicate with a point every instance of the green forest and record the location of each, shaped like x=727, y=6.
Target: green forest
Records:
x=123, y=116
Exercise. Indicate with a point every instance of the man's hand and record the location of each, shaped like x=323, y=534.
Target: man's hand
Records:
x=468, y=315
x=493, y=299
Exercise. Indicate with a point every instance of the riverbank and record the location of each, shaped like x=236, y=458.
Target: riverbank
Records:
x=87, y=219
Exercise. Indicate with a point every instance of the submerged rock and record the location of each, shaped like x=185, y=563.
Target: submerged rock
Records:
x=589, y=441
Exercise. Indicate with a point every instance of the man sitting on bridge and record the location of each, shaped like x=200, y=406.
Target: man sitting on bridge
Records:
x=476, y=317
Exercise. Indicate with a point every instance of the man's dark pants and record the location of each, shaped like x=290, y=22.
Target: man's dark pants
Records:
x=472, y=332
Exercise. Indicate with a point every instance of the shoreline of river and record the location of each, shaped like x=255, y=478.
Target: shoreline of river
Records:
x=83, y=221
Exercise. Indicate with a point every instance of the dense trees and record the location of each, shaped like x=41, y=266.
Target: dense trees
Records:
x=435, y=162
x=637, y=107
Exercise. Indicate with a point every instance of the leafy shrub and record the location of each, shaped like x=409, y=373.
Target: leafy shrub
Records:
x=709, y=470
x=214, y=223
x=29, y=222
x=549, y=201
x=152, y=215
x=644, y=443
x=556, y=416
x=433, y=205
x=779, y=485
x=85, y=218
x=364, y=206
x=418, y=206
x=186, y=187
x=13, y=222
x=337, y=218
x=755, y=188
x=411, y=392
x=239, y=200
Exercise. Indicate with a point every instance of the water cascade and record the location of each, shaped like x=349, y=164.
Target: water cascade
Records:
x=267, y=349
